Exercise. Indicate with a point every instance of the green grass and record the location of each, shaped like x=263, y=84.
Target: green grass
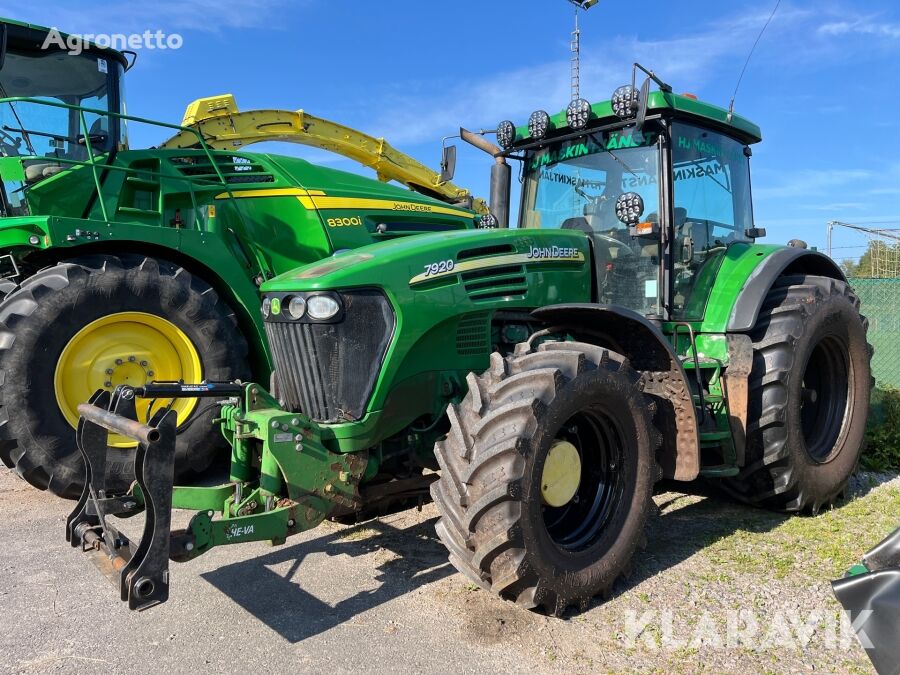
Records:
x=824, y=546
x=882, y=451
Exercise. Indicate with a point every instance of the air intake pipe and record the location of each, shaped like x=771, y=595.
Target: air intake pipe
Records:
x=501, y=174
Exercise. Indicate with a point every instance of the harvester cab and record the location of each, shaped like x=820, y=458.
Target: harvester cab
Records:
x=538, y=381
x=58, y=107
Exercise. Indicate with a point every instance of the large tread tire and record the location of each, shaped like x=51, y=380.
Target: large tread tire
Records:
x=802, y=318
x=39, y=318
x=488, y=495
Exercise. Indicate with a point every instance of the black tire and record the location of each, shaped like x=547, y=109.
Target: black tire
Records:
x=44, y=313
x=808, y=396
x=493, y=521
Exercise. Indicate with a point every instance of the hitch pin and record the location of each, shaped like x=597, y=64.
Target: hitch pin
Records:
x=238, y=498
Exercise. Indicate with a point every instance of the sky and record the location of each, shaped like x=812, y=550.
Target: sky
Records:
x=821, y=83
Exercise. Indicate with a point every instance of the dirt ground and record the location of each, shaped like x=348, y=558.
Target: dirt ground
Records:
x=720, y=587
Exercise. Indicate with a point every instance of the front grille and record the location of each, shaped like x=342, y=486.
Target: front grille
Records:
x=328, y=370
x=473, y=335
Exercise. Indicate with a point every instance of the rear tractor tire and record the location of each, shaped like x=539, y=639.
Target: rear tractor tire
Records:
x=97, y=322
x=547, y=475
x=808, y=396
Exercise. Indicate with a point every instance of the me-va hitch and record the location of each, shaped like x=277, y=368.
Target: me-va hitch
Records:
x=141, y=571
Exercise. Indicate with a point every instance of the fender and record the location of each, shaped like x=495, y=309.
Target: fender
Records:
x=648, y=351
x=782, y=262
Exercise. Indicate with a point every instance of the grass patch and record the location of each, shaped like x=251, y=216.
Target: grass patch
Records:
x=882, y=451
x=824, y=546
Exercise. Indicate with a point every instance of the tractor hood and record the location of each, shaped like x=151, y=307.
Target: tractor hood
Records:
x=437, y=260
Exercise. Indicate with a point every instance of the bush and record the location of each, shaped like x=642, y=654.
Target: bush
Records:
x=882, y=451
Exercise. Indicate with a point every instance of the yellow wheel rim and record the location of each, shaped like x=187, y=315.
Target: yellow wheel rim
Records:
x=131, y=348
x=561, y=475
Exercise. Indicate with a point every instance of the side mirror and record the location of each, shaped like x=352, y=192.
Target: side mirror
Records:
x=643, y=102
x=448, y=163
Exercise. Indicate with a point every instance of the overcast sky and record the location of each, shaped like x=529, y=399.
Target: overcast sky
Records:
x=822, y=84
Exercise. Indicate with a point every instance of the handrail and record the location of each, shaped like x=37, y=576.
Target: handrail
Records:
x=92, y=155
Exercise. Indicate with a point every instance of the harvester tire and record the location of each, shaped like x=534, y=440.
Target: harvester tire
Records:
x=497, y=518
x=40, y=318
x=808, y=396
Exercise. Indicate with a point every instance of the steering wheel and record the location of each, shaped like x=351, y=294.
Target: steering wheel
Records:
x=582, y=224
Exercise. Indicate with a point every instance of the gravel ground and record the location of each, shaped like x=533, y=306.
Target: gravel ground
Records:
x=719, y=587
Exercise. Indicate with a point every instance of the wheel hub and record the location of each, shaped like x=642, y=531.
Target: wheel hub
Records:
x=125, y=348
x=561, y=475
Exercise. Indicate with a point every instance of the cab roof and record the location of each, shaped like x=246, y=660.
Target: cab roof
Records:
x=31, y=36
x=678, y=106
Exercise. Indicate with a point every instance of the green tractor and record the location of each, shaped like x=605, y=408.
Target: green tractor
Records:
x=124, y=266
x=537, y=382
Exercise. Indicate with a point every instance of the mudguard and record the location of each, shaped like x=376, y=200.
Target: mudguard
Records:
x=634, y=336
x=756, y=288
x=872, y=597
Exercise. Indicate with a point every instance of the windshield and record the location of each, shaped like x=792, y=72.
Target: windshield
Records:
x=47, y=133
x=574, y=185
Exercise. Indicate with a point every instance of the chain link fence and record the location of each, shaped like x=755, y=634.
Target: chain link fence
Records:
x=880, y=303
x=873, y=270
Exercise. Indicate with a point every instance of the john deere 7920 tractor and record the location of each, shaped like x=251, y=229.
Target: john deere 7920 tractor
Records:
x=538, y=381
x=123, y=266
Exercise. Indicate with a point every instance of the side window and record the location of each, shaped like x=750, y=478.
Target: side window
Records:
x=712, y=210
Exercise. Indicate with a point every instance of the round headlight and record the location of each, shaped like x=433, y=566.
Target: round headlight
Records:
x=297, y=307
x=266, y=307
x=625, y=101
x=578, y=113
x=506, y=134
x=538, y=124
x=488, y=221
x=322, y=307
x=629, y=208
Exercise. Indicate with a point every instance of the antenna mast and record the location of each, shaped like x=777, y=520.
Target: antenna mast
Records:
x=576, y=59
x=575, y=47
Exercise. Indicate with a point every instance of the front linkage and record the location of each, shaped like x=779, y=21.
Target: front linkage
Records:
x=258, y=503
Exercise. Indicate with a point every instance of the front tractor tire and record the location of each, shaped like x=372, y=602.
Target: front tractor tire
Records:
x=97, y=322
x=547, y=474
x=808, y=396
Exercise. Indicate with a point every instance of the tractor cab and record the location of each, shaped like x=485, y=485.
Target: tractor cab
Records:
x=58, y=106
x=660, y=184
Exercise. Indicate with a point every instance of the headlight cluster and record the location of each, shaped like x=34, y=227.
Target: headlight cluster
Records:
x=578, y=113
x=506, y=134
x=629, y=208
x=539, y=124
x=488, y=222
x=311, y=307
x=625, y=101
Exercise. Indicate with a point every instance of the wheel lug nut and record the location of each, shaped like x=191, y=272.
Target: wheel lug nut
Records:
x=119, y=362
x=149, y=373
x=144, y=364
x=132, y=359
x=109, y=371
x=107, y=384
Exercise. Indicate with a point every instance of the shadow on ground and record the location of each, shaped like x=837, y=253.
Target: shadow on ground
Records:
x=679, y=531
x=276, y=599
x=687, y=524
